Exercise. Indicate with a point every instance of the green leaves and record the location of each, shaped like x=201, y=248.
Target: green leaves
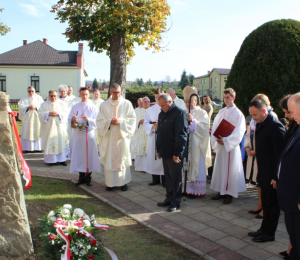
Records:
x=142, y=22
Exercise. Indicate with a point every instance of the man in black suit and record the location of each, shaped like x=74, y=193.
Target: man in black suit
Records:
x=171, y=142
x=288, y=189
x=269, y=144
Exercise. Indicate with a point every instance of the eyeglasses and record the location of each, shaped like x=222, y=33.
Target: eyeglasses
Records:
x=146, y=101
x=53, y=96
x=116, y=92
x=29, y=91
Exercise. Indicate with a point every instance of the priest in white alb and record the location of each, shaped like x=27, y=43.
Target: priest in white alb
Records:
x=137, y=111
x=199, y=154
x=53, y=116
x=228, y=174
x=70, y=93
x=154, y=165
x=97, y=100
x=28, y=114
x=84, y=159
x=116, y=124
x=141, y=137
x=176, y=100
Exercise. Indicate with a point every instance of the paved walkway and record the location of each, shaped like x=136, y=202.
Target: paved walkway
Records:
x=209, y=228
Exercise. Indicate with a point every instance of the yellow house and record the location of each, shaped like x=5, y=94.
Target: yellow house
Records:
x=213, y=83
x=38, y=64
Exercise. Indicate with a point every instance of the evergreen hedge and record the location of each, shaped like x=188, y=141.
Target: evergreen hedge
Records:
x=134, y=93
x=268, y=62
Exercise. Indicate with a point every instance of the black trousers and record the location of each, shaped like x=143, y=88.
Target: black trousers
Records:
x=173, y=178
x=271, y=210
x=156, y=179
x=294, y=232
x=84, y=176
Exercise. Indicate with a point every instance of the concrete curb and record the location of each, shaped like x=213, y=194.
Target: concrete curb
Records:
x=194, y=250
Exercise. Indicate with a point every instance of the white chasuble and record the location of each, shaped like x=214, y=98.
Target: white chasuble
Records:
x=114, y=140
x=30, y=136
x=200, y=153
x=180, y=103
x=228, y=174
x=140, y=142
x=153, y=165
x=97, y=103
x=80, y=142
x=137, y=111
x=53, y=129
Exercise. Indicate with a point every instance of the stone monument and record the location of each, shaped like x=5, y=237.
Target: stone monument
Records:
x=15, y=237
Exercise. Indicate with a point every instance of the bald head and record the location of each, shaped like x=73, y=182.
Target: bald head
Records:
x=294, y=107
x=140, y=102
x=172, y=93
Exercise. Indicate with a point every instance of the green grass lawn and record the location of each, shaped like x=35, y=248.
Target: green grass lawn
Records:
x=126, y=237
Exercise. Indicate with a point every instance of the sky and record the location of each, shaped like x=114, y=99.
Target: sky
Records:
x=202, y=35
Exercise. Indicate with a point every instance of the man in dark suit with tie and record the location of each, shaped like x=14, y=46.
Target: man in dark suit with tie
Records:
x=269, y=144
x=288, y=188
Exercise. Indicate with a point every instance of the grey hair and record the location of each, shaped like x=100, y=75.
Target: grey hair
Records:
x=115, y=86
x=52, y=91
x=146, y=98
x=65, y=87
x=295, y=98
x=171, y=90
x=165, y=96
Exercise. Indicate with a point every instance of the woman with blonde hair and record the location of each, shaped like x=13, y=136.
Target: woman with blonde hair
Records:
x=207, y=105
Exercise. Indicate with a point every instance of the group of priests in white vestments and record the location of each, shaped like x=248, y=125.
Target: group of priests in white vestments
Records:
x=106, y=135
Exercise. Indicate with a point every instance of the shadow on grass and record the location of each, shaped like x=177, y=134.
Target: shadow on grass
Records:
x=127, y=238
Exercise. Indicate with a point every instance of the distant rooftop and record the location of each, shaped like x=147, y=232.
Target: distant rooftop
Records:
x=39, y=53
x=218, y=70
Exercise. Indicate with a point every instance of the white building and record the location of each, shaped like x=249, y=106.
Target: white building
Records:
x=38, y=64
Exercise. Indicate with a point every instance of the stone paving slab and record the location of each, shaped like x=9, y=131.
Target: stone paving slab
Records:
x=209, y=228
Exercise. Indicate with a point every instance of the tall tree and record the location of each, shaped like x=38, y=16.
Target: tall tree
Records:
x=184, y=80
x=149, y=83
x=141, y=82
x=114, y=27
x=4, y=29
x=191, y=79
x=95, y=84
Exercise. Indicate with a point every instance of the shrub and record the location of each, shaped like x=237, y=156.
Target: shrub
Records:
x=268, y=62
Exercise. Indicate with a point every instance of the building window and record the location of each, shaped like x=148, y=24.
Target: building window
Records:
x=216, y=80
x=204, y=92
x=216, y=89
x=205, y=81
x=35, y=82
x=3, y=83
x=201, y=81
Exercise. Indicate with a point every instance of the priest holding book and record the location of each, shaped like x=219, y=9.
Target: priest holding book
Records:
x=227, y=133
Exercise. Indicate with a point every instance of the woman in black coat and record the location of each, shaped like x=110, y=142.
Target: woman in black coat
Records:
x=292, y=126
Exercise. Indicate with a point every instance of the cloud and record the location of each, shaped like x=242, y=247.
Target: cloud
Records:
x=177, y=5
x=42, y=3
x=30, y=10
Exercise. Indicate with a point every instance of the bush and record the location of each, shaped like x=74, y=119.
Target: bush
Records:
x=134, y=93
x=268, y=62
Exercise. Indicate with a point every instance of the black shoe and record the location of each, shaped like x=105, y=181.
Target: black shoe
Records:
x=64, y=163
x=173, y=208
x=124, y=188
x=163, y=204
x=263, y=238
x=286, y=257
x=255, y=211
x=255, y=233
x=109, y=188
x=284, y=253
x=80, y=181
x=51, y=164
x=153, y=183
x=88, y=182
x=190, y=196
x=259, y=216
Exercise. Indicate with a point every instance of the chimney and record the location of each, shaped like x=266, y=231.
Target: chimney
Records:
x=80, y=45
x=45, y=41
x=80, y=55
x=208, y=72
x=24, y=42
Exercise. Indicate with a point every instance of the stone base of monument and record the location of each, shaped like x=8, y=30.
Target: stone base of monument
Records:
x=15, y=237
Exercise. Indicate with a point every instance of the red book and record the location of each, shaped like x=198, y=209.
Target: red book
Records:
x=224, y=129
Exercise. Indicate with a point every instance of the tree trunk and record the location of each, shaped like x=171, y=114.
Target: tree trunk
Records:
x=118, y=61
